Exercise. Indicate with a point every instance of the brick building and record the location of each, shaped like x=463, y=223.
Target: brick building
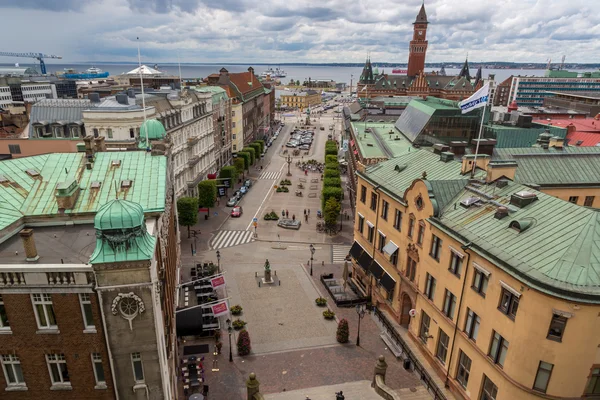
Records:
x=87, y=296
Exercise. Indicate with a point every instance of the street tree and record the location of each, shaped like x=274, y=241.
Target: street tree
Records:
x=252, y=152
x=239, y=165
x=246, y=157
x=187, y=210
x=207, y=193
x=331, y=213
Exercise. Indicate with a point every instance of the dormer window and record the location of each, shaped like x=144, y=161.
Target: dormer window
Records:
x=32, y=172
x=116, y=163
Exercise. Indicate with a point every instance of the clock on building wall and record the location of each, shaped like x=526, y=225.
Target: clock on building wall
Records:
x=420, y=32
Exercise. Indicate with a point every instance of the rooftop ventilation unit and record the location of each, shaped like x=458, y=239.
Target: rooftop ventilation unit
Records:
x=400, y=168
x=500, y=183
x=523, y=198
x=469, y=201
x=116, y=163
x=501, y=212
x=95, y=185
x=446, y=156
x=3, y=179
x=32, y=172
x=126, y=183
x=521, y=226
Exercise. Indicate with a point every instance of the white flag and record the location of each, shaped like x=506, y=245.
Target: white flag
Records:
x=477, y=100
x=220, y=308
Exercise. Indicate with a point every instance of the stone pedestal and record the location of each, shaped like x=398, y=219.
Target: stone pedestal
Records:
x=268, y=278
x=252, y=386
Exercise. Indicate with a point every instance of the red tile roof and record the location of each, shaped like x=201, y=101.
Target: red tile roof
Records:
x=242, y=81
x=586, y=139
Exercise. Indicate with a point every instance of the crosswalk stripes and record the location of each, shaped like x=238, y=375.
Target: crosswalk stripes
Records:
x=270, y=175
x=230, y=238
x=339, y=253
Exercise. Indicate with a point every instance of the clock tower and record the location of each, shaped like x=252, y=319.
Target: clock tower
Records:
x=418, y=45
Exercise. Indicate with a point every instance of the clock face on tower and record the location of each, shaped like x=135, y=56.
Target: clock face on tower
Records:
x=420, y=33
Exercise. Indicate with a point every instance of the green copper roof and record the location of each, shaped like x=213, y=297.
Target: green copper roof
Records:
x=379, y=143
x=156, y=130
x=218, y=93
x=397, y=174
x=558, y=169
x=558, y=253
x=512, y=136
x=33, y=195
x=119, y=214
x=121, y=233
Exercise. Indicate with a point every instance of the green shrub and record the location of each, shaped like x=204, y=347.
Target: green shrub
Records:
x=256, y=148
x=328, y=314
x=252, y=154
x=332, y=182
x=238, y=324
x=236, y=310
x=284, y=182
x=330, y=192
x=187, y=208
x=229, y=172
x=262, y=145
x=331, y=159
x=272, y=216
x=331, y=212
x=246, y=157
x=331, y=173
x=321, y=301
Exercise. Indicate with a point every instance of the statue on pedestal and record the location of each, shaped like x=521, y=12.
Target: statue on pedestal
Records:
x=268, y=278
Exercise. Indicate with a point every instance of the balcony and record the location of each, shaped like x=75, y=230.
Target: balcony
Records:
x=192, y=141
x=193, y=161
x=14, y=276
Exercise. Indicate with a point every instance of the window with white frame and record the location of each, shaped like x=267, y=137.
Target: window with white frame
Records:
x=57, y=366
x=456, y=260
x=138, y=369
x=11, y=365
x=4, y=325
x=44, y=311
x=86, y=311
x=98, y=370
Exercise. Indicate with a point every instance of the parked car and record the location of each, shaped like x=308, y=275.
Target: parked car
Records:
x=248, y=183
x=237, y=194
x=232, y=202
x=291, y=144
x=237, y=212
x=322, y=128
x=243, y=190
x=304, y=147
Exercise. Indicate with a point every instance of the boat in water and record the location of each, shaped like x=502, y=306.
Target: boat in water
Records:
x=274, y=73
x=90, y=73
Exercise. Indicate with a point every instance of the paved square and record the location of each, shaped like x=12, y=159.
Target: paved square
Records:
x=280, y=317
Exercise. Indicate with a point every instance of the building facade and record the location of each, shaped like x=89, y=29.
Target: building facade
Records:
x=237, y=127
x=532, y=90
x=300, y=100
x=221, y=123
x=249, y=92
x=478, y=277
x=87, y=301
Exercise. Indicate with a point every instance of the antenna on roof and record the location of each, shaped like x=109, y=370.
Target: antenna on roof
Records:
x=66, y=171
x=180, y=80
x=143, y=97
x=116, y=191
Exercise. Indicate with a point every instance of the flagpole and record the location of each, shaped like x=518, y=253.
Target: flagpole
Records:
x=143, y=97
x=478, y=140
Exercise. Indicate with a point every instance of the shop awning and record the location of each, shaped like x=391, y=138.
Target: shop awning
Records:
x=387, y=282
x=390, y=248
x=365, y=260
x=356, y=250
x=189, y=322
x=376, y=270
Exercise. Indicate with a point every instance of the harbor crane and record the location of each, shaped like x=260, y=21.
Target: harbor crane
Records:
x=38, y=56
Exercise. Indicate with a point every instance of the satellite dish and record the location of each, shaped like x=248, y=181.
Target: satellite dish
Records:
x=412, y=313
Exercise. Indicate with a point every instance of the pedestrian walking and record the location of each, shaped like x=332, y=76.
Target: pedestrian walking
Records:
x=293, y=217
x=282, y=213
x=305, y=211
x=287, y=214
x=305, y=217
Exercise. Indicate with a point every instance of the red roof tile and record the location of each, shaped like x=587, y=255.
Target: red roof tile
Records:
x=242, y=81
x=585, y=139
x=578, y=124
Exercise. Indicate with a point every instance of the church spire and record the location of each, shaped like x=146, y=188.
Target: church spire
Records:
x=464, y=72
x=422, y=16
x=478, y=76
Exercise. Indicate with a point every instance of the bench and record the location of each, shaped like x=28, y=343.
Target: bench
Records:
x=396, y=351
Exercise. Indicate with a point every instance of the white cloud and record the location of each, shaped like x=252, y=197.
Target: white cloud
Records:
x=280, y=31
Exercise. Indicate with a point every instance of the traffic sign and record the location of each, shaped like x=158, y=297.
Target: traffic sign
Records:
x=255, y=224
x=255, y=219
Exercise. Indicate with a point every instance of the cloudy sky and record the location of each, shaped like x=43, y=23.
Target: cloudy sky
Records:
x=279, y=31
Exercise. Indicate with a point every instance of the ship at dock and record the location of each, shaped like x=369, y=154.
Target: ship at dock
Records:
x=90, y=73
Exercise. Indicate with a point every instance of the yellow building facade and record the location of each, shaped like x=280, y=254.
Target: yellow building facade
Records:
x=237, y=128
x=301, y=100
x=496, y=282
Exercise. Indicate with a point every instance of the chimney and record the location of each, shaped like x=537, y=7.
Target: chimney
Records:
x=438, y=148
x=486, y=146
x=94, y=97
x=523, y=198
x=446, y=156
x=543, y=139
x=29, y=244
x=67, y=193
x=499, y=169
x=557, y=142
x=89, y=148
x=501, y=212
x=458, y=147
x=468, y=159
x=131, y=93
x=99, y=144
x=251, y=70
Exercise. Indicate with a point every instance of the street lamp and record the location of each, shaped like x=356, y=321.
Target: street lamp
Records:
x=360, y=310
x=289, y=162
x=218, y=261
x=229, y=330
x=312, y=252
